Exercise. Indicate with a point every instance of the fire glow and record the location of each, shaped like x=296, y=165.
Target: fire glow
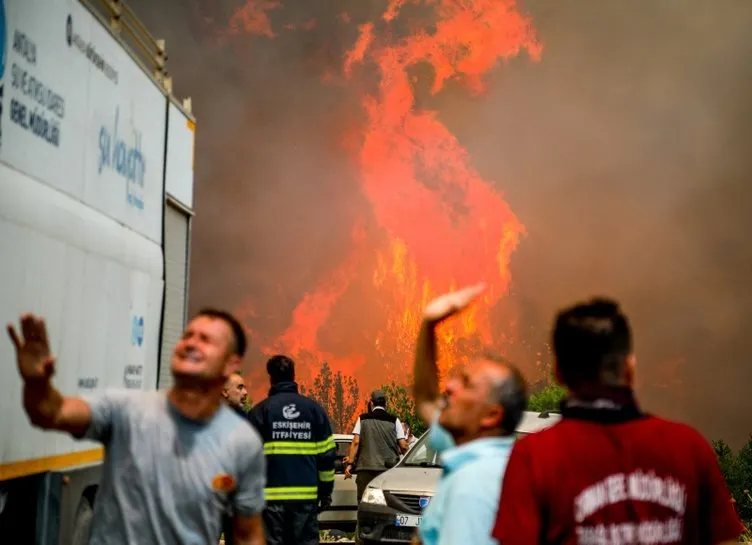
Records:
x=444, y=225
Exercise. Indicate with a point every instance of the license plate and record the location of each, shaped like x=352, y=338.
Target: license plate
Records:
x=411, y=521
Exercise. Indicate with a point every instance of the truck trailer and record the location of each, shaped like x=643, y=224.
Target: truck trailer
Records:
x=96, y=204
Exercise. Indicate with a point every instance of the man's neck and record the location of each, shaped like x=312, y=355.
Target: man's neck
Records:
x=198, y=404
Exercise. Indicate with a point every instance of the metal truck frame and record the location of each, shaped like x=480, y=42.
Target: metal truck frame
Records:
x=96, y=200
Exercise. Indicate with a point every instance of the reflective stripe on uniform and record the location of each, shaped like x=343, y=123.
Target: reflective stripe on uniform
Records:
x=326, y=476
x=284, y=493
x=309, y=448
x=327, y=444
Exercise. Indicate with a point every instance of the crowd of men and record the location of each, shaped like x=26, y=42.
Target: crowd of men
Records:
x=180, y=466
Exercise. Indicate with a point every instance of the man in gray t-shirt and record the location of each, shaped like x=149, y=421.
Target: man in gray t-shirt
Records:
x=175, y=461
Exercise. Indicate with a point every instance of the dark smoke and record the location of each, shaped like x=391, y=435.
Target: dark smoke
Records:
x=625, y=151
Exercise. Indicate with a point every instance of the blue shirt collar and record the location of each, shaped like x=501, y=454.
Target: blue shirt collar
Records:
x=454, y=458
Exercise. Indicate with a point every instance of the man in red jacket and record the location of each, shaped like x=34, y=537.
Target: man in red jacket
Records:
x=609, y=474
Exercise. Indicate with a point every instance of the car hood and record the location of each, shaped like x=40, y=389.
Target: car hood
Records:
x=408, y=479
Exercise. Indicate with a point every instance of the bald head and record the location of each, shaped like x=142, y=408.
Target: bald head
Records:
x=235, y=391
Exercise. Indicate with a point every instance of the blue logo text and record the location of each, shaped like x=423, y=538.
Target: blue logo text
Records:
x=137, y=330
x=127, y=160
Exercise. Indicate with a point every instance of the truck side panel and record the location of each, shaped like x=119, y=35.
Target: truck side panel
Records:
x=81, y=115
x=181, y=139
x=91, y=279
x=81, y=213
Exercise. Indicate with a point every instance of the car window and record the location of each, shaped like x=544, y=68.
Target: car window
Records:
x=343, y=447
x=421, y=454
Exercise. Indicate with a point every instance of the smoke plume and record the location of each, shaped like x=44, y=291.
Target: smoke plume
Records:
x=621, y=149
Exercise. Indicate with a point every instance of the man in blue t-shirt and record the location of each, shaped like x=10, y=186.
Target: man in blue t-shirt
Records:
x=472, y=427
x=175, y=461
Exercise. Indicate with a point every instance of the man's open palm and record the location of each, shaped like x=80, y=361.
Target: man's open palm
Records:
x=35, y=363
x=449, y=304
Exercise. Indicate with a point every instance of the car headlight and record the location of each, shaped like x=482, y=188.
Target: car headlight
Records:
x=374, y=496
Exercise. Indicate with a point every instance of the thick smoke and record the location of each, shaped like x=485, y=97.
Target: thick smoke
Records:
x=624, y=151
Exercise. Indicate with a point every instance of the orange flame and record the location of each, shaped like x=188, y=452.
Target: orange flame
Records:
x=446, y=226
x=252, y=18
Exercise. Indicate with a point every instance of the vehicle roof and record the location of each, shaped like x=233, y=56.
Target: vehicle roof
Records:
x=533, y=421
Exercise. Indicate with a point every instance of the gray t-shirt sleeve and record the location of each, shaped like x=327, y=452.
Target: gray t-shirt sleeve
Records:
x=249, y=495
x=106, y=409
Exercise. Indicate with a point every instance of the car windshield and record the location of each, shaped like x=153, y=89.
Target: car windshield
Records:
x=343, y=447
x=422, y=455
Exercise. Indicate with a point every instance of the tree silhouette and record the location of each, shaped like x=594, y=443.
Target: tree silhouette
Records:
x=338, y=394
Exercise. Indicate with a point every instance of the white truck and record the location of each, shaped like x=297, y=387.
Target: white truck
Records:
x=96, y=198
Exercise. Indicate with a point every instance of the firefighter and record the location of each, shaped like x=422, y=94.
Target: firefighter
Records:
x=300, y=453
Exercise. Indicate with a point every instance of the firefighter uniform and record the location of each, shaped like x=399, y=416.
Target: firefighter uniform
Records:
x=300, y=452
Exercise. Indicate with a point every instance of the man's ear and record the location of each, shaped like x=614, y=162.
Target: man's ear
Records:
x=493, y=417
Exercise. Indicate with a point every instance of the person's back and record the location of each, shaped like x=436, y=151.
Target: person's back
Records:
x=300, y=452
x=607, y=472
x=642, y=476
x=378, y=441
x=302, y=434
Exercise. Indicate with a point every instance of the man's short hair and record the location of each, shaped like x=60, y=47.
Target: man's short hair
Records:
x=281, y=369
x=591, y=341
x=239, y=344
x=378, y=398
x=511, y=393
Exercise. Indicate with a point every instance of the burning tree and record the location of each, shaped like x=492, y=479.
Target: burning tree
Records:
x=439, y=223
x=338, y=394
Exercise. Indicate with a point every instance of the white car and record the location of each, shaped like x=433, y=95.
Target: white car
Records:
x=343, y=513
x=393, y=502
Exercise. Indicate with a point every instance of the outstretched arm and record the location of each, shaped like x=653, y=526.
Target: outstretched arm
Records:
x=426, y=369
x=426, y=373
x=46, y=407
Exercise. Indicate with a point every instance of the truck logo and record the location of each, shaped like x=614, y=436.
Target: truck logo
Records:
x=290, y=412
x=133, y=377
x=88, y=50
x=125, y=159
x=137, y=331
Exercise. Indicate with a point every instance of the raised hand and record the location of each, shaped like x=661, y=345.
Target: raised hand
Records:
x=35, y=362
x=451, y=303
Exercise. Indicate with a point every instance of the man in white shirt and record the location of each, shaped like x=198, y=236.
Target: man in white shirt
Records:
x=378, y=442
